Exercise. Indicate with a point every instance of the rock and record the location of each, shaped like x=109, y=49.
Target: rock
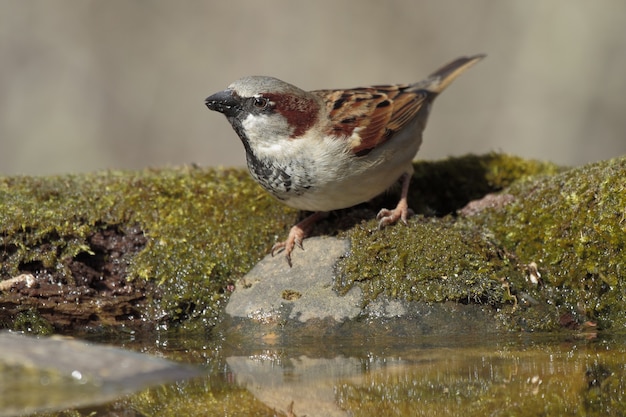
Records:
x=158, y=248
x=272, y=292
x=74, y=373
x=274, y=302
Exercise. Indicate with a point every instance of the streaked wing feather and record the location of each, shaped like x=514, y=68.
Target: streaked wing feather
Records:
x=406, y=107
x=377, y=111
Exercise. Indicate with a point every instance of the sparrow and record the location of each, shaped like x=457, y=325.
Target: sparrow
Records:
x=325, y=150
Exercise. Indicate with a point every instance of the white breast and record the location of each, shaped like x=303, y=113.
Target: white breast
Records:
x=343, y=180
x=324, y=175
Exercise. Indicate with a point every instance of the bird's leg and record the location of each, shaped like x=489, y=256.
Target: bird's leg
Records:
x=297, y=235
x=402, y=210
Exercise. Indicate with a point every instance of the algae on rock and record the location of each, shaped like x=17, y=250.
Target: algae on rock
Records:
x=161, y=247
x=96, y=244
x=571, y=224
x=573, y=227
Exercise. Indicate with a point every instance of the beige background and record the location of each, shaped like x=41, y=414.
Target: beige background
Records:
x=88, y=85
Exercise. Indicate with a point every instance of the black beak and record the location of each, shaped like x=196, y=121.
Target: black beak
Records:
x=225, y=102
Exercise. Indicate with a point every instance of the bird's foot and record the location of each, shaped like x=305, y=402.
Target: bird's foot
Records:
x=401, y=212
x=296, y=235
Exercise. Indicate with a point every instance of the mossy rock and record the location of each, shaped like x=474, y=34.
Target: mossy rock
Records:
x=573, y=228
x=564, y=229
x=162, y=247
x=140, y=249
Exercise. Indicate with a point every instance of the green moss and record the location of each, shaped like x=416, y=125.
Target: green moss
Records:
x=573, y=226
x=442, y=187
x=432, y=260
x=30, y=321
x=439, y=258
x=205, y=228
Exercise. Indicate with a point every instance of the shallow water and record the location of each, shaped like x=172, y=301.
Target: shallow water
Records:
x=472, y=375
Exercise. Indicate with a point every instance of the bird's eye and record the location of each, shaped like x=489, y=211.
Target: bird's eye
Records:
x=260, y=102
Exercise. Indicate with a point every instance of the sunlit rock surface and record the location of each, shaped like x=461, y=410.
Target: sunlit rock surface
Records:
x=53, y=373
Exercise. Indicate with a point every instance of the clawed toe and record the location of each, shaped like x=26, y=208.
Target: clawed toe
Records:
x=286, y=246
x=387, y=217
x=278, y=247
x=296, y=235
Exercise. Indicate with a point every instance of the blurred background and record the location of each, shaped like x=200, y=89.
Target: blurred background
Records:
x=90, y=85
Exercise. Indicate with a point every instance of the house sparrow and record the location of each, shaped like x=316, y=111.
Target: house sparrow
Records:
x=331, y=149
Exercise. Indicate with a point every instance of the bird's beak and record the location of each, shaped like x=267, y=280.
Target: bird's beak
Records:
x=225, y=102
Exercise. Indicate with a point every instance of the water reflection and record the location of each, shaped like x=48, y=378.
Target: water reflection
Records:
x=469, y=377
x=521, y=375
x=309, y=383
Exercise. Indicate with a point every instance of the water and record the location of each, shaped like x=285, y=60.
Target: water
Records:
x=471, y=375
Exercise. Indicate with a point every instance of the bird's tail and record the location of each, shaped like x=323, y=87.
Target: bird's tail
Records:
x=443, y=77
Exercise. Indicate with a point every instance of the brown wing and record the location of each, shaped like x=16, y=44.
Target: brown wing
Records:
x=370, y=116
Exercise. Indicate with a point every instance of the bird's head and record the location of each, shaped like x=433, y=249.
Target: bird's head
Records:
x=265, y=111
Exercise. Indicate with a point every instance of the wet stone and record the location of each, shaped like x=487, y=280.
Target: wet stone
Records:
x=54, y=373
x=274, y=303
x=272, y=292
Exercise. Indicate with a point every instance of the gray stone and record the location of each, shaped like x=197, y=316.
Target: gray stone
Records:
x=55, y=373
x=272, y=292
x=276, y=304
